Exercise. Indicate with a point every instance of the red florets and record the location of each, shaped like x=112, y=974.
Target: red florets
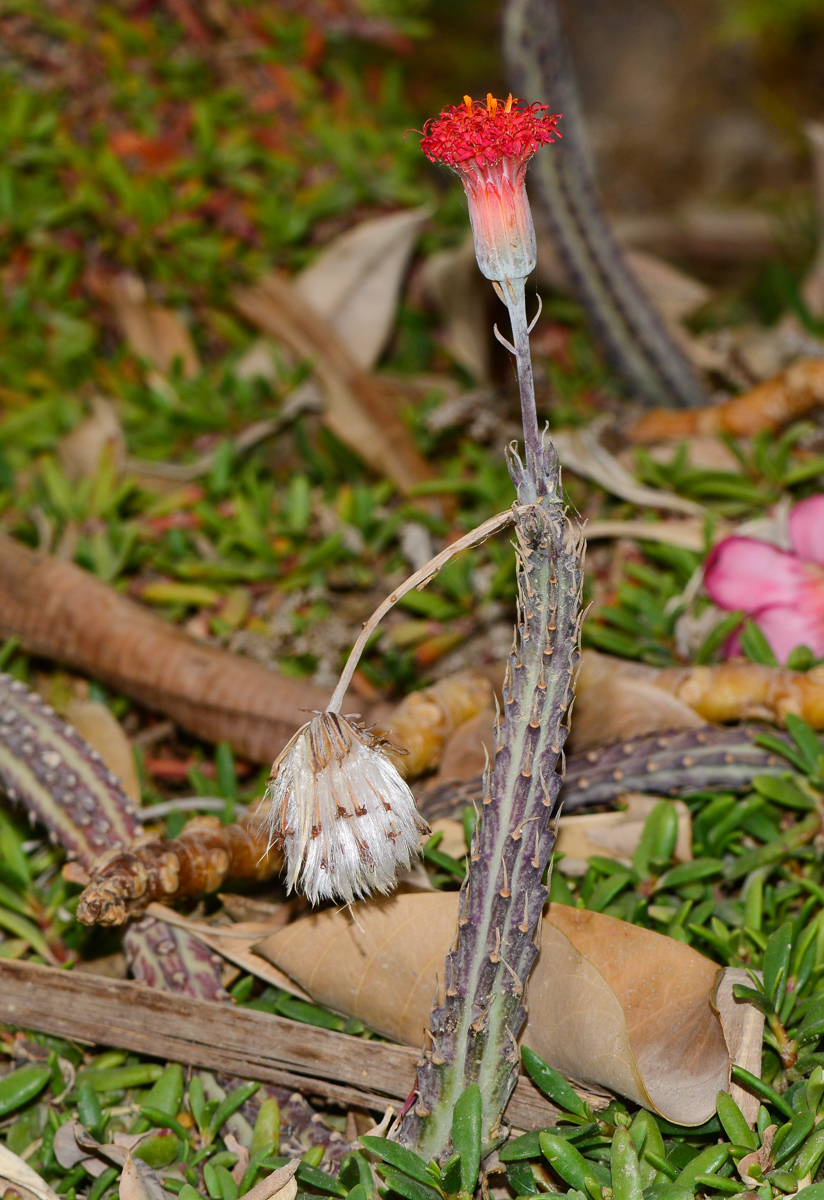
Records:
x=488, y=132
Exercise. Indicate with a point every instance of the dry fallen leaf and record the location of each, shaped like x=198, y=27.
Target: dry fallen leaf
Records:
x=280, y=1185
x=674, y=293
x=355, y=282
x=139, y=1182
x=581, y=451
x=152, y=332
x=744, y=1030
x=617, y=700
x=80, y=452
x=22, y=1178
x=454, y=284
x=360, y=409
x=100, y=727
x=660, y=1044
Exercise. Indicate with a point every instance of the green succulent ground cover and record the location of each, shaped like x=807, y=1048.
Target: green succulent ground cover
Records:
x=240, y=183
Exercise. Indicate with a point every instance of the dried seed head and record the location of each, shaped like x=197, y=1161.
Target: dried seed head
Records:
x=341, y=813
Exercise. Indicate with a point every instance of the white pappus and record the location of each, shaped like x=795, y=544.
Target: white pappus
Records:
x=340, y=811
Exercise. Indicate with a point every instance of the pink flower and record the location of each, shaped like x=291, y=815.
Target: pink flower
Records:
x=489, y=146
x=782, y=591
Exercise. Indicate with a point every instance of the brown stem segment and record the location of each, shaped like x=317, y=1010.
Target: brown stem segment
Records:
x=205, y=856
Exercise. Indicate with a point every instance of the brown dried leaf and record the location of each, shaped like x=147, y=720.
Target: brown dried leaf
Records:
x=17, y=1173
x=674, y=293
x=280, y=1185
x=744, y=1030
x=155, y=334
x=361, y=409
x=139, y=1182
x=580, y=451
x=100, y=727
x=617, y=700
x=81, y=451
x=660, y=1044
x=355, y=283
x=62, y=612
x=454, y=284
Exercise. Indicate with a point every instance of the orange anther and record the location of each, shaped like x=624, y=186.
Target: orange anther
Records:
x=468, y=102
x=508, y=105
x=491, y=103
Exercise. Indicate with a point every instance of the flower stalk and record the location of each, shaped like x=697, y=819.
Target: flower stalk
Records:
x=475, y=1024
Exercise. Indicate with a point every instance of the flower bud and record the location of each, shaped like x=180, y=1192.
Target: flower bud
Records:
x=489, y=146
x=341, y=813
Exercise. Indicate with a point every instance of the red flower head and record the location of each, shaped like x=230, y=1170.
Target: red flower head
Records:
x=490, y=145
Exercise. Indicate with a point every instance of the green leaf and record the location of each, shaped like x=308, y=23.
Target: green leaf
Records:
x=408, y=1187
x=397, y=1156
x=807, y=741
x=466, y=1135
x=776, y=962
x=626, y=1171
x=551, y=1083
x=756, y=647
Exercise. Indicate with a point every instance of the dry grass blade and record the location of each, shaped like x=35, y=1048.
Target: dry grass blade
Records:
x=453, y=282
x=360, y=408
x=660, y=1044
x=580, y=451
x=61, y=612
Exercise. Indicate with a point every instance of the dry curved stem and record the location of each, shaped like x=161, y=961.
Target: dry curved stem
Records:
x=205, y=856
x=765, y=408
x=418, y=580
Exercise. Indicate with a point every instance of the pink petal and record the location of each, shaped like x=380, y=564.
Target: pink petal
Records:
x=786, y=628
x=807, y=529
x=747, y=574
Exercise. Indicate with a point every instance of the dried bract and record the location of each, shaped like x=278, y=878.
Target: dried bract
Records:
x=343, y=816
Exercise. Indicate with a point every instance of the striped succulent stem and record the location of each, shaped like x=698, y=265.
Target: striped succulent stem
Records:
x=629, y=328
x=474, y=1029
